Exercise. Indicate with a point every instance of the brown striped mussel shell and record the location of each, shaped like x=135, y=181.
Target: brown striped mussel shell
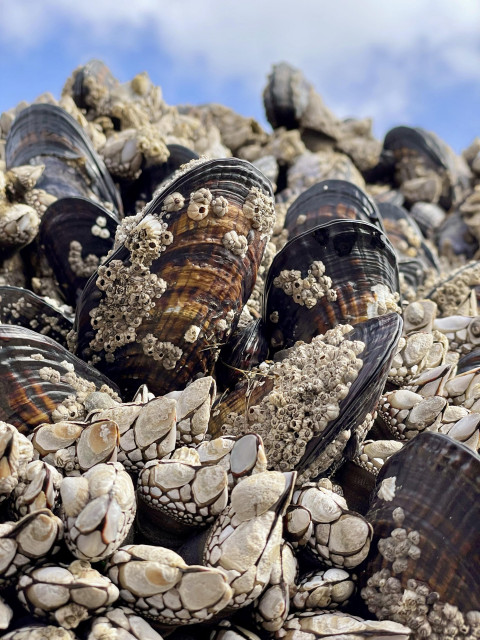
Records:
x=40, y=381
x=160, y=308
x=423, y=568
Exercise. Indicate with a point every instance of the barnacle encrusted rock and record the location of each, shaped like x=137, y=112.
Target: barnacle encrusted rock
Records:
x=309, y=385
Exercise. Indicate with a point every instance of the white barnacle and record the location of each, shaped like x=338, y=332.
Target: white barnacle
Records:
x=258, y=207
x=173, y=202
x=237, y=244
x=199, y=204
x=387, y=488
x=219, y=206
x=191, y=334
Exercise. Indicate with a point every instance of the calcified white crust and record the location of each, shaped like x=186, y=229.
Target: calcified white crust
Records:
x=245, y=540
x=121, y=623
x=327, y=624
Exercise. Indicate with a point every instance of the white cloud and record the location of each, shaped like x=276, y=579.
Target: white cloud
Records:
x=364, y=57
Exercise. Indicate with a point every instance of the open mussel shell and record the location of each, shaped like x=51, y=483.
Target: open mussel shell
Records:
x=38, y=377
x=246, y=348
x=359, y=281
x=163, y=304
x=329, y=200
x=380, y=336
x=153, y=174
x=425, y=517
x=24, y=308
x=75, y=234
x=46, y=134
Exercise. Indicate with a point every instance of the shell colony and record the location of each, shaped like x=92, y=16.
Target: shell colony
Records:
x=239, y=371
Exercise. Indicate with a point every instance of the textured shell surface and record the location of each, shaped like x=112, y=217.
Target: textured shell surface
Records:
x=341, y=272
x=184, y=273
x=39, y=377
x=46, y=134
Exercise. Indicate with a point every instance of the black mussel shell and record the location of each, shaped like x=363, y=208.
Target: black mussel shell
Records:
x=162, y=320
x=454, y=238
x=330, y=200
x=286, y=96
x=143, y=188
x=380, y=336
x=94, y=73
x=37, y=375
x=46, y=134
x=75, y=234
x=431, y=490
x=246, y=348
x=362, y=266
x=22, y=307
x=405, y=234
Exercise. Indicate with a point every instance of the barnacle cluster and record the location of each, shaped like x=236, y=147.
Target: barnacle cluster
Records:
x=306, y=291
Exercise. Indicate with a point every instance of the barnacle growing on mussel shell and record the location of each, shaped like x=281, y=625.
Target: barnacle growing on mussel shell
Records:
x=276, y=365
x=19, y=306
x=344, y=271
x=423, y=567
x=159, y=309
x=46, y=134
x=307, y=406
x=40, y=381
x=75, y=235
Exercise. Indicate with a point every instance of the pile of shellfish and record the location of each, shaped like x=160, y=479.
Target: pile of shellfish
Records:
x=239, y=371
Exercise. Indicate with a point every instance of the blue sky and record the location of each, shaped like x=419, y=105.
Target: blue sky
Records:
x=411, y=62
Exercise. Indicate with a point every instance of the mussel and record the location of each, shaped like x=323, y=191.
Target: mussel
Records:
x=160, y=308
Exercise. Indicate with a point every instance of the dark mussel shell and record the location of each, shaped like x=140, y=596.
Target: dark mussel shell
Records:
x=329, y=200
x=169, y=329
x=143, y=188
x=469, y=361
x=36, y=377
x=46, y=134
x=418, y=144
x=359, y=260
x=454, y=238
x=286, y=96
x=246, y=348
x=407, y=239
x=380, y=336
x=75, y=233
x=431, y=489
x=22, y=307
x=86, y=81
